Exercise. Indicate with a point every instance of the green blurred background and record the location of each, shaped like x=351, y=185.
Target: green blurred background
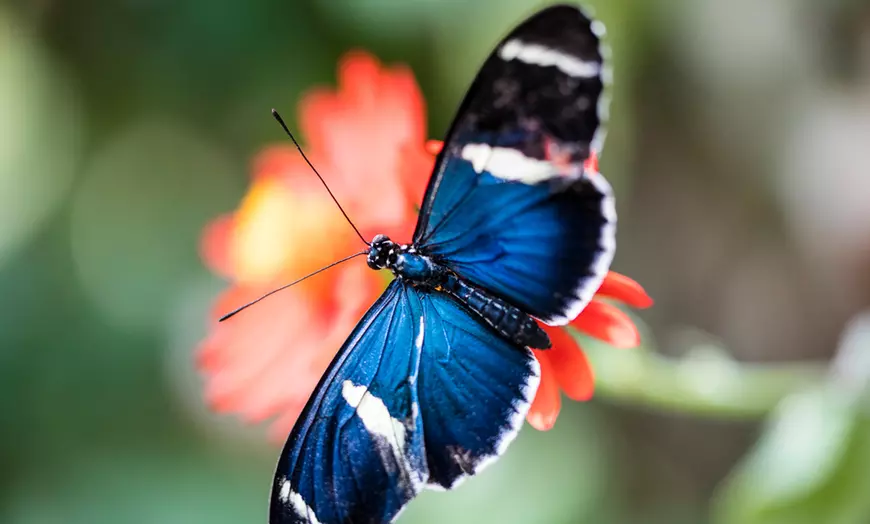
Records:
x=739, y=146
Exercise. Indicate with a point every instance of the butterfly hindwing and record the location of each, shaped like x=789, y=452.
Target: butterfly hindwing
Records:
x=420, y=395
x=474, y=388
x=510, y=206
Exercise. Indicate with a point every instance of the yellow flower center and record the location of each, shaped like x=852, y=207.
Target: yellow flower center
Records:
x=280, y=233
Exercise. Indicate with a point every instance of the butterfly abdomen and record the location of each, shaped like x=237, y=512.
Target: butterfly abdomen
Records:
x=507, y=320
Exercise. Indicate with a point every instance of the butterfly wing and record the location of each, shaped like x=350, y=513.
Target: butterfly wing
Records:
x=475, y=389
x=509, y=205
x=420, y=395
x=356, y=453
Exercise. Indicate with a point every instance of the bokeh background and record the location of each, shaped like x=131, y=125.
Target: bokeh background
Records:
x=739, y=148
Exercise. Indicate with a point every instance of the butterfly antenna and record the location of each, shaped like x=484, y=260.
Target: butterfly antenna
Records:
x=251, y=303
x=299, y=148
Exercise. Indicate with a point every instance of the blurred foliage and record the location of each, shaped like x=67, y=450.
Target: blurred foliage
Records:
x=706, y=381
x=830, y=435
x=811, y=462
x=126, y=126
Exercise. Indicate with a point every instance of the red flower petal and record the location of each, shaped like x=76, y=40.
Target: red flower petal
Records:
x=570, y=366
x=415, y=167
x=238, y=353
x=591, y=164
x=266, y=361
x=214, y=247
x=360, y=128
x=624, y=289
x=276, y=160
x=433, y=147
x=283, y=425
x=359, y=74
x=545, y=408
x=608, y=323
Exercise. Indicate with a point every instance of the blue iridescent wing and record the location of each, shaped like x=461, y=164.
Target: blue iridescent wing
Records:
x=474, y=388
x=509, y=205
x=420, y=395
x=356, y=454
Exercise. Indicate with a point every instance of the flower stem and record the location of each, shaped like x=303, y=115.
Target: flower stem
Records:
x=706, y=382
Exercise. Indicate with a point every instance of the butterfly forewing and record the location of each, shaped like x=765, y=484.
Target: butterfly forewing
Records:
x=510, y=206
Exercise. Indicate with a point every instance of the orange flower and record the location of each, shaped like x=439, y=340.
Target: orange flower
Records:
x=564, y=366
x=367, y=138
x=364, y=130
x=266, y=362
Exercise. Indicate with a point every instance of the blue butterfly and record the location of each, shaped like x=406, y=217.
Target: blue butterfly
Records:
x=434, y=382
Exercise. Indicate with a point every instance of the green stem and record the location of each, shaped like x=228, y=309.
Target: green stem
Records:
x=707, y=382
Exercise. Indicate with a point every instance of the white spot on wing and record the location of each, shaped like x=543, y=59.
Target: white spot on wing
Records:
x=390, y=431
x=284, y=492
x=540, y=55
x=419, y=341
x=295, y=500
x=478, y=155
x=375, y=416
x=599, y=29
x=509, y=164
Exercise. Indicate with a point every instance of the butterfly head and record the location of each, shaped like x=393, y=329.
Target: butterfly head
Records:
x=382, y=252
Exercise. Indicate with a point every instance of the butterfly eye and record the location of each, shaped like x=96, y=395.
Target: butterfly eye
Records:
x=376, y=258
x=380, y=239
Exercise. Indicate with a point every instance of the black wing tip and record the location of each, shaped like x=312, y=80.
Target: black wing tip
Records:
x=562, y=26
x=563, y=9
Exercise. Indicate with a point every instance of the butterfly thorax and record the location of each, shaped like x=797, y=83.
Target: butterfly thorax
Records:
x=420, y=270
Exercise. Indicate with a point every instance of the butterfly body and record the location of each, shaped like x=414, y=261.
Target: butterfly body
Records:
x=436, y=379
x=406, y=262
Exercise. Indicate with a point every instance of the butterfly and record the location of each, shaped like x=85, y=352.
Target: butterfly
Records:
x=435, y=380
